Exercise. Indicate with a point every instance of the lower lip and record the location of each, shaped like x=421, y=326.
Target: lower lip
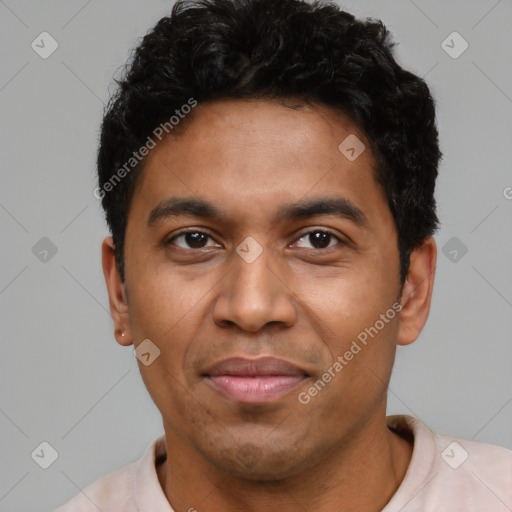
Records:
x=255, y=389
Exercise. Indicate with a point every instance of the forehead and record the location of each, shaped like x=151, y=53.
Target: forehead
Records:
x=289, y=131
x=251, y=156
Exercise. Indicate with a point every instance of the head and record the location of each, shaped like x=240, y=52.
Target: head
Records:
x=244, y=108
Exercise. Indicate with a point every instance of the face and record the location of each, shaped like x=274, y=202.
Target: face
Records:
x=251, y=235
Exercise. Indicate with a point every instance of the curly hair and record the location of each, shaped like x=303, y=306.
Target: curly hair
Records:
x=235, y=49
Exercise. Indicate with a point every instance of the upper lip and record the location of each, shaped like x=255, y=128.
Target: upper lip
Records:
x=263, y=366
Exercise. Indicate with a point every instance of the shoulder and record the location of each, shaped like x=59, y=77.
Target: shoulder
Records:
x=111, y=492
x=449, y=473
x=479, y=468
x=123, y=489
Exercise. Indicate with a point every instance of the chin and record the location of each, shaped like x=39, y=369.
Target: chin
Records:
x=257, y=463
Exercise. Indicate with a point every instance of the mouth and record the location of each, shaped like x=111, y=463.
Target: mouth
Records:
x=254, y=380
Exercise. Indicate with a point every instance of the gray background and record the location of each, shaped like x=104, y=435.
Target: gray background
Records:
x=64, y=379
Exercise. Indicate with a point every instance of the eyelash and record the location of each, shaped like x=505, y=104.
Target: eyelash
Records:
x=303, y=235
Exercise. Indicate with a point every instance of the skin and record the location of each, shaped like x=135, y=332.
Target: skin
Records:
x=297, y=301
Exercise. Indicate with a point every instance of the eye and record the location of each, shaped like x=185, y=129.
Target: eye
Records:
x=191, y=240
x=319, y=239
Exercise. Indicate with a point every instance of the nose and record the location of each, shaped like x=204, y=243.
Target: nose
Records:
x=253, y=295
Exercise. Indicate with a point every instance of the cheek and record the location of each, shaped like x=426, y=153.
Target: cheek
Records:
x=169, y=309
x=361, y=349
x=166, y=301
x=345, y=314
x=344, y=303
x=162, y=312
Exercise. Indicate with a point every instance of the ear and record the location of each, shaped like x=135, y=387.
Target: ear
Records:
x=116, y=294
x=417, y=292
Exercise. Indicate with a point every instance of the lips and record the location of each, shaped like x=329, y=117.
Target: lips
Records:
x=262, y=367
x=254, y=380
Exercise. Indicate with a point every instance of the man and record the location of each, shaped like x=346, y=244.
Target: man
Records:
x=268, y=171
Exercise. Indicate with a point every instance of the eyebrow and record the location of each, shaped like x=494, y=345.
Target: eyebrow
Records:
x=182, y=207
x=174, y=207
x=337, y=206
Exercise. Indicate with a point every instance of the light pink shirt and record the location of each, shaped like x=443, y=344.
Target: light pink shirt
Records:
x=446, y=474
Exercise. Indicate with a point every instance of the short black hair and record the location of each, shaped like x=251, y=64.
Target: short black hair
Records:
x=208, y=50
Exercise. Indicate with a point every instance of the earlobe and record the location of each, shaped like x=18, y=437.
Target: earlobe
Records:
x=417, y=292
x=116, y=293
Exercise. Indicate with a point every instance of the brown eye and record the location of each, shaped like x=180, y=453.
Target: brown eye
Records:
x=319, y=239
x=190, y=240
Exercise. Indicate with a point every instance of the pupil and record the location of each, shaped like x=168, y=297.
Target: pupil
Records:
x=320, y=238
x=195, y=240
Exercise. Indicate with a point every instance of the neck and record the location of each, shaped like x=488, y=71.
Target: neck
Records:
x=360, y=475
